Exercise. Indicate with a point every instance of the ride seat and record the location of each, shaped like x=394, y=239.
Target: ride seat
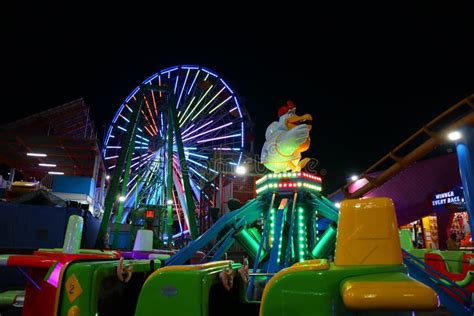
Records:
x=453, y=259
x=368, y=235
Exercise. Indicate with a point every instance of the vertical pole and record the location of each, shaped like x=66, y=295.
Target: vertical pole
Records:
x=95, y=176
x=128, y=145
x=12, y=175
x=102, y=187
x=274, y=262
x=465, y=151
x=184, y=171
x=137, y=201
x=221, y=194
x=293, y=222
x=169, y=179
x=221, y=184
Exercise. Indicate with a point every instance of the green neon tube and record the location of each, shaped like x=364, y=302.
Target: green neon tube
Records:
x=326, y=244
x=245, y=239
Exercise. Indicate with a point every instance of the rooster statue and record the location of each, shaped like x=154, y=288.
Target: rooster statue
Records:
x=286, y=139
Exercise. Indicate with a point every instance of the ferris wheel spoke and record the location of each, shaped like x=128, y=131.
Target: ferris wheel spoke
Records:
x=128, y=108
x=197, y=173
x=183, y=116
x=148, y=131
x=184, y=135
x=207, y=103
x=159, y=84
x=142, y=138
x=149, y=112
x=224, y=111
x=220, y=104
x=217, y=138
x=198, y=156
x=206, y=168
x=182, y=88
x=199, y=169
x=154, y=102
x=194, y=81
x=197, y=105
x=223, y=128
x=186, y=130
x=123, y=129
x=175, y=84
x=207, y=132
x=149, y=127
x=126, y=119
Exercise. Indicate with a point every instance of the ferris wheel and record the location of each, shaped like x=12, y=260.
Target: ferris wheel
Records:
x=165, y=139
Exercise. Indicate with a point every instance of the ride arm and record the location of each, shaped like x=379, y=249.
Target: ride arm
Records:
x=229, y=219
x=369, y=292
x=26, y=261
x=462, y=283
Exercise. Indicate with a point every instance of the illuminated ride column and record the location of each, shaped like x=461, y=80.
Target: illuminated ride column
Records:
x=465, y=151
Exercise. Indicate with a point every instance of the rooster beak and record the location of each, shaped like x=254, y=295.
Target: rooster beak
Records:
x=295, y=120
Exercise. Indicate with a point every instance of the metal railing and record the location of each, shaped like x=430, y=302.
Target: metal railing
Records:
x=461, y=114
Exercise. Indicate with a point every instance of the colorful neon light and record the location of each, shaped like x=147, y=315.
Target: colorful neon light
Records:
x=184, y=132
x=209, y=72
x=154, y=101
x=192, y=84
x=197, y=173
x=225, y=84
x=182, y=89
x=199, y=102
x=196, y=155
x=200, y=133
x=207, y=132
x=36, y=155
x=202, y=166
x=186, y=110
x=196, y=130
x=220, y=104
x=217, y=138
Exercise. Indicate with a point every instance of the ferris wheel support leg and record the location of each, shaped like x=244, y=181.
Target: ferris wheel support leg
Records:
x=184, y=171
x=112, y=193
x=126, y=176
x=169, y=185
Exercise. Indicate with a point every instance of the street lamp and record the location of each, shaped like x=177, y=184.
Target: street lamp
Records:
x=354, y=178
x=240, y=170
x=455, y=135
x=122, y=198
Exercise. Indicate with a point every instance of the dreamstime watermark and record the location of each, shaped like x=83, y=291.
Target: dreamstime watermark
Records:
x=211, y=168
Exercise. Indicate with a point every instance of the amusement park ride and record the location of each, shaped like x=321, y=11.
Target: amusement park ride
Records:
x=161, y=147
x=169, y=139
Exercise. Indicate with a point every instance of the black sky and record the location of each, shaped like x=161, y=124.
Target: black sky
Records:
x=370, y=76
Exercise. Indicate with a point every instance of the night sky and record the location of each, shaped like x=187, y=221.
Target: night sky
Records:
x=370, y=76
